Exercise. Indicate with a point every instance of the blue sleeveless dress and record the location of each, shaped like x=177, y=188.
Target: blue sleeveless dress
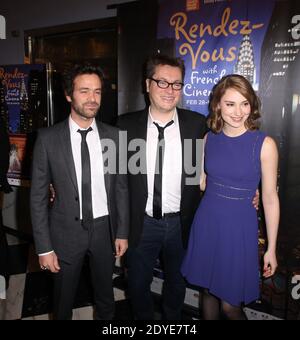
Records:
x=222, y=254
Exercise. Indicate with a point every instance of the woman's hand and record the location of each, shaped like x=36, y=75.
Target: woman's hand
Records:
x=270, y=264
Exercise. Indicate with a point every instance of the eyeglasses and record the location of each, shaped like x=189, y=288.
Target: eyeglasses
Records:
x=163, y=84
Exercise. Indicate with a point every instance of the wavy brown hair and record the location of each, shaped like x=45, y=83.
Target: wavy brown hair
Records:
x=242, y=85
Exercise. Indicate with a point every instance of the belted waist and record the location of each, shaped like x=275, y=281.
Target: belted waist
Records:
x=228, y=191
x=167, y=215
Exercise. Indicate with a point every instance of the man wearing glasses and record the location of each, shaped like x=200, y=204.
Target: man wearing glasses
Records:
x=162, y=203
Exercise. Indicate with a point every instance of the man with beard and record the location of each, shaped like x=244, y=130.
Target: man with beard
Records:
x=89, y=215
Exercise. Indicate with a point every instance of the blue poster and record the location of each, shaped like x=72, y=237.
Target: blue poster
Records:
x=22, y=96
x=215, y=38
x=23, y=109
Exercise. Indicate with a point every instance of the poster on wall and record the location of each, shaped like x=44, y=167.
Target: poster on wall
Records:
x=24, y=109
x=219, y=37
x=260, y=41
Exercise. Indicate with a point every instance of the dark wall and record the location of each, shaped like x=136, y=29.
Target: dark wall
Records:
x=31, y=14
x=137, y=40
x=137, y=33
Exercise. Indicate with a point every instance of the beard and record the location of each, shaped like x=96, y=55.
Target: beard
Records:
x=84, y=112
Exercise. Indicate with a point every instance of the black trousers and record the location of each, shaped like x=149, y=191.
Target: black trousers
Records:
x=98, y=247
x=159, y=236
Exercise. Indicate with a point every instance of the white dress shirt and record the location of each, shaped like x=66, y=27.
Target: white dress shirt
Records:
x=99, y=196
x=172, y=166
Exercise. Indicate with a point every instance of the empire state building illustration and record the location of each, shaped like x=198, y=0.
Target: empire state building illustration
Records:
x=245, y=64
x=25, y=121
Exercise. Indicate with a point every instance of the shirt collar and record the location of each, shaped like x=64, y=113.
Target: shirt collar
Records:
x=74, y=127
x=151, y=119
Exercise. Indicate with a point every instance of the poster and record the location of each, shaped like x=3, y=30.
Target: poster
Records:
x=261, y=41
x=220, y=37
x=17, y=159
x=24, y=109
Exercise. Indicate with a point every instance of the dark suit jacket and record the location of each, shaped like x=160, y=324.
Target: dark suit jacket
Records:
x=193, y=127
x=59, y=228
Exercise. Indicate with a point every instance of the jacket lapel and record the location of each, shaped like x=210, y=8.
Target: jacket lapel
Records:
x=66, y=146
x=104, y=134
x=184, y=134
x=141, y=133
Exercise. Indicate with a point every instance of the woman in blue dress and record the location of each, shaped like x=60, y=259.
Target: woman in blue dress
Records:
x=222, y=255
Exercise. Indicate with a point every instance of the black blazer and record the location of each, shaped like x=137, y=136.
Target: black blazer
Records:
x=59, y=228
x=193, y=127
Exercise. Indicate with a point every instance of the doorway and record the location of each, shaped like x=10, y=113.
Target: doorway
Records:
x=63, y=46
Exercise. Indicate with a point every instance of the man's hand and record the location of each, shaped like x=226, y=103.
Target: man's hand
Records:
x=49, y=262
x=121, y=247
x=255, y=201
